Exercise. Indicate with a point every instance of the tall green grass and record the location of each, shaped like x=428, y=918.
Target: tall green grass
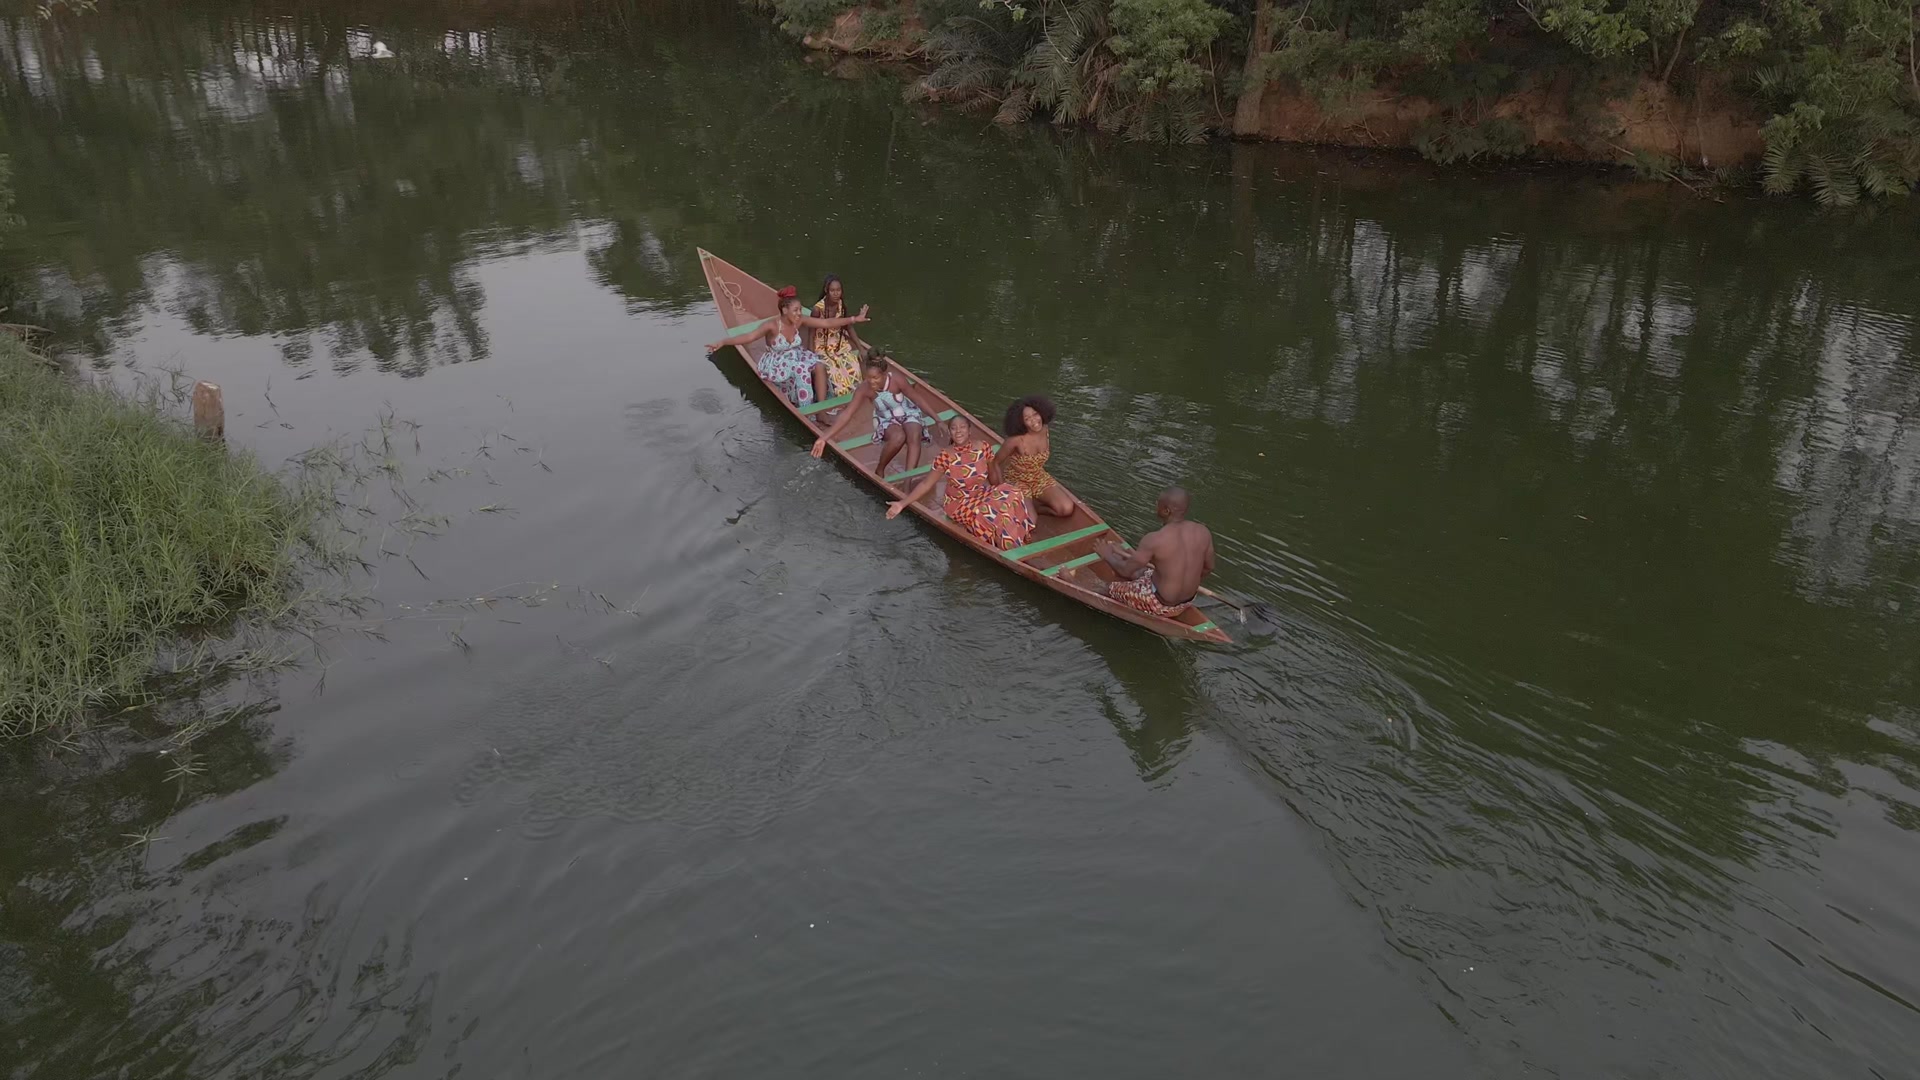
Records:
x=121, y=534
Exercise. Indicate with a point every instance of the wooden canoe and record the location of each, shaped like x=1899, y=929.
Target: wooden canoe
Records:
x=1060, y=553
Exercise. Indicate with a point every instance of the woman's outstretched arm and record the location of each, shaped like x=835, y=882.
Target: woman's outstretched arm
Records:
x=835, y=324
x=740, y=338
x=862, y=395
x=934, y=476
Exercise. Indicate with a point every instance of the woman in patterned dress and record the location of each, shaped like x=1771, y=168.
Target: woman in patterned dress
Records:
x=840, y=349
x=996, y=513
x=902, y=413
x=1022, y=460
x=788, y=363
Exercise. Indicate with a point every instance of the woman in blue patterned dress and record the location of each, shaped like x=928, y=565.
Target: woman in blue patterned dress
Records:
x=902, y=412
x=788, y=363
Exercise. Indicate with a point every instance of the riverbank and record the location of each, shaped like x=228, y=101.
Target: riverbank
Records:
x=120, y=532
x=1632, y=121
x=1519, y=779
x=1795, y=105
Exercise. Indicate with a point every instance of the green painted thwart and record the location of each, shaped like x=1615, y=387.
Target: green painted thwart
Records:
x=1036, y=548
x=1071, y=564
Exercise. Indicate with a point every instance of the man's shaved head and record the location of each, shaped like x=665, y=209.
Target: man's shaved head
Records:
x=1174, y=502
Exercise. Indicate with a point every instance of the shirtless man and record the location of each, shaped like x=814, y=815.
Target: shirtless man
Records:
x=1161, y=576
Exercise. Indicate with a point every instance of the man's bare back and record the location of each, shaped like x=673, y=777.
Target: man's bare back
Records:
x=1173, y=558
x=1181, y=554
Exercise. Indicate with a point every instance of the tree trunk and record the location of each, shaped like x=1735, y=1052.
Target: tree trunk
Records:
x=1253, y=86
x=1678, y=41
x=1913, y=52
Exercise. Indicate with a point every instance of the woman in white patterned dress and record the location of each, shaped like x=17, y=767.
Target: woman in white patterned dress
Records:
x=902, y=413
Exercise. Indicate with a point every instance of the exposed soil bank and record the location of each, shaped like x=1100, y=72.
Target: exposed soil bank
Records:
x=1705, y=128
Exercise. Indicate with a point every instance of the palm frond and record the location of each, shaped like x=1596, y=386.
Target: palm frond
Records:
x=1017, y=108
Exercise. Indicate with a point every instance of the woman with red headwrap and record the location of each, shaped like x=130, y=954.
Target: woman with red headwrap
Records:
x=788, y=363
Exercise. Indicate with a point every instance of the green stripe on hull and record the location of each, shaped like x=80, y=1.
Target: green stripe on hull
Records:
x=744, y=327
x=1062, y=540
x=1071, y=564
x=823, y=406
x=1204, y=627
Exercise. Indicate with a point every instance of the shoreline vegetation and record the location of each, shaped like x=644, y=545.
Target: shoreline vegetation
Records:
x=1816, y=96
x=133, y=553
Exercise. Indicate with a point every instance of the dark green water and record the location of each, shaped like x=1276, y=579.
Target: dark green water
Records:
x=1588, y=744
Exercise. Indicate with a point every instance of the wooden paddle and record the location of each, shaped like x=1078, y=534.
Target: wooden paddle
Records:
x=1261, y=611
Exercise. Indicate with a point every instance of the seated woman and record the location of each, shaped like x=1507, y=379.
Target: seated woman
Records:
x=1022, y=459
x=841, y=349
x=996, y=513
x=788, y=363
x=901, y=413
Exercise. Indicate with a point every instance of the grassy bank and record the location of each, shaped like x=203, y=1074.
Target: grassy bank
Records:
x=120, y=531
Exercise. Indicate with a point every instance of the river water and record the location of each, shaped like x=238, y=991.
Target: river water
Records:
x=1586, y=743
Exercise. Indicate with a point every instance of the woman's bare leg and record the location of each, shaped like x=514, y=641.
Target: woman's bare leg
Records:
x=819, y=382
x=913, y=445
x=889, y=446
x=1055, y=501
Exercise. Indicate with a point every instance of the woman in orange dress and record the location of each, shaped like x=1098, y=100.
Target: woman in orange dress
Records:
x=839, y=349
x=996, y=513
x=1022, y=460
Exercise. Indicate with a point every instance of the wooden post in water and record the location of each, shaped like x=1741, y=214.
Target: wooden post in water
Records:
x=209, y=415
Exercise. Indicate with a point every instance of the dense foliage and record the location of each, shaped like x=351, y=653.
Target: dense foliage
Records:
x=1159, y=69
x=1839, y=79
